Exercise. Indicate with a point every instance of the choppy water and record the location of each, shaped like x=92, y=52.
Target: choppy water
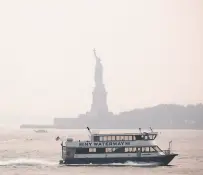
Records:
x=24, y=152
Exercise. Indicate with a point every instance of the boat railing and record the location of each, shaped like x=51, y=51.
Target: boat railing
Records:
x=167, y=152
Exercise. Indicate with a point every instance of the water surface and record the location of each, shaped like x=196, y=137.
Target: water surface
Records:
x=24, y=152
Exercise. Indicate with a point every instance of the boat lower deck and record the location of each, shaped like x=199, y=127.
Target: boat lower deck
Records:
x=161, y=160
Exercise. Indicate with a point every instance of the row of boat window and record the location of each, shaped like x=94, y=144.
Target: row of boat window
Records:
x=129, y=138
x=118, y=150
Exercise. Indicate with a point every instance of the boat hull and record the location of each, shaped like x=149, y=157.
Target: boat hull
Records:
x=161, y=160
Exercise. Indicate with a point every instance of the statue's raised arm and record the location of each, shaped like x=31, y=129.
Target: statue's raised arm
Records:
x=98, y=70
x=97, y=58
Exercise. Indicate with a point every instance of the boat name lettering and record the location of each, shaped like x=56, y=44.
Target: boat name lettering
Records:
x=97, y=144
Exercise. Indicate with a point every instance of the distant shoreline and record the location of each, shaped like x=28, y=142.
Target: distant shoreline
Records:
x=53, y=127
x=163, y=116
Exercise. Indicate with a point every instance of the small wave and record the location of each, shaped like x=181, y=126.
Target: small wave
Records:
x=6, y=141
x=137, y=164
x=26, y=162
x=39, y=162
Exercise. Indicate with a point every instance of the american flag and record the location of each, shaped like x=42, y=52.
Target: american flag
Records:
x=57, y=138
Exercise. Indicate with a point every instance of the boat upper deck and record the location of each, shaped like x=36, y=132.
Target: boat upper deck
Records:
x=115, y=140
x=124, y=136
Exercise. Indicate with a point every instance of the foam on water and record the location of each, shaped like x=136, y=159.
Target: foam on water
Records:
x=40, y=162
x=140, y=164
x=27, y=162
x=129, y=163
x=6, y=141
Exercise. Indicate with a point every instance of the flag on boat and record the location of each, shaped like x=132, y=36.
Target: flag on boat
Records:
x=57, y=138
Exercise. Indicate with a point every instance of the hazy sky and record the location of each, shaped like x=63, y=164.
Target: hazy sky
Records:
x=151, y=50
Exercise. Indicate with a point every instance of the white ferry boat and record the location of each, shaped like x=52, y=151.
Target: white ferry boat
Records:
x=40, y=131
x=115, y=148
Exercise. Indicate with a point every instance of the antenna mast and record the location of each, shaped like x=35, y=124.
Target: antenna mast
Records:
x=89, y=130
